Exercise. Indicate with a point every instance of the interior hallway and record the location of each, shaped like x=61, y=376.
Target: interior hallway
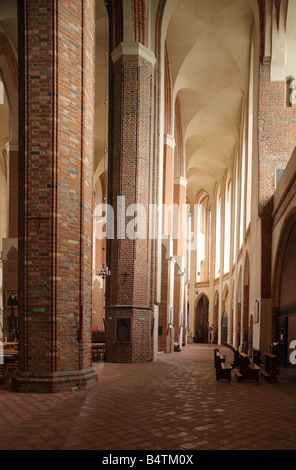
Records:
x=174, y=403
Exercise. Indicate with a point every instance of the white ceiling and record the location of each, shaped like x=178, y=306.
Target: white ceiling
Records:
x=209, y=49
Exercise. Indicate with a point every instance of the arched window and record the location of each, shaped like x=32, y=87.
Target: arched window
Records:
x=203, y=238
x=227, y=224
x=250, y=141
x=218, y=234
x=243, y=190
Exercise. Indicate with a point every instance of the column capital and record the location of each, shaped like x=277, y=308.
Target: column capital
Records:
x=181, y=181
x=168, y=244
x=169, y=140
x=133, y=48
x=181, y=264
x=11, y=146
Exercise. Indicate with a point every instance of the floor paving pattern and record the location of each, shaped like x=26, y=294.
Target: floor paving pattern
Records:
x=174, y=403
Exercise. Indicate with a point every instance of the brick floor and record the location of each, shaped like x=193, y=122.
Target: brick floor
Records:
x=174, y=403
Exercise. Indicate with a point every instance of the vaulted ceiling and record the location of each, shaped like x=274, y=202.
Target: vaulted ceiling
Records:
x=209, y=44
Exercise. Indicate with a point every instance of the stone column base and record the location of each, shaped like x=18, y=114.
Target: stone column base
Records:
x=30, y=382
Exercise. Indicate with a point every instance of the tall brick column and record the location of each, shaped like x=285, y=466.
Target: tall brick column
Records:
x=129, y=294
x=180, y=256
x=165, y=320
x=56, y=56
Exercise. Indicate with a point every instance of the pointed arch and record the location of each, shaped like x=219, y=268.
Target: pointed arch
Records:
x=203, y=237
x=216, y=317
x=218, y=231
x=227, y=222
x=201, y=327
x=246, y=302
x=238, y=326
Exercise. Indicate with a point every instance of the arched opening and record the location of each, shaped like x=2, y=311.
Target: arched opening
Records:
x=8, y=174
x=218, y=234
x=201, y=333
x=231, y=321
x=285, y=295
x=227, y=223
x=215, y=318
x=245, y=326
x=224, y=327
x=225, y=316
x=100, y=172
x=203, y=238
x=250, y=336
x=10, y=292
x=239, y=311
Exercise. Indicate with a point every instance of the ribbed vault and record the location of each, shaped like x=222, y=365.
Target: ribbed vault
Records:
x=209, y=44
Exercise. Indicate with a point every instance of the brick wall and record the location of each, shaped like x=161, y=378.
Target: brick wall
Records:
x=276, y=137
x=56, y=53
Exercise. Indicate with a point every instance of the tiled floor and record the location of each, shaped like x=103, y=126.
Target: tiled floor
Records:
x=174, y=403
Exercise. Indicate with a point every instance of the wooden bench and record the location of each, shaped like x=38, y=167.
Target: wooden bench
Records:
x=235, y=363
x=218, y=358
x=247, y=369
x=257, y=356
x=270, y=371
x=223, y=371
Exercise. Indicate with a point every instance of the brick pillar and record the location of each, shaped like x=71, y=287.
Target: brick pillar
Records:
x=168, y=182
x=129, y=293
x=180, y=235
x=180, y=185
x=166, y=306
x=167, y=265
x=56, y=56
